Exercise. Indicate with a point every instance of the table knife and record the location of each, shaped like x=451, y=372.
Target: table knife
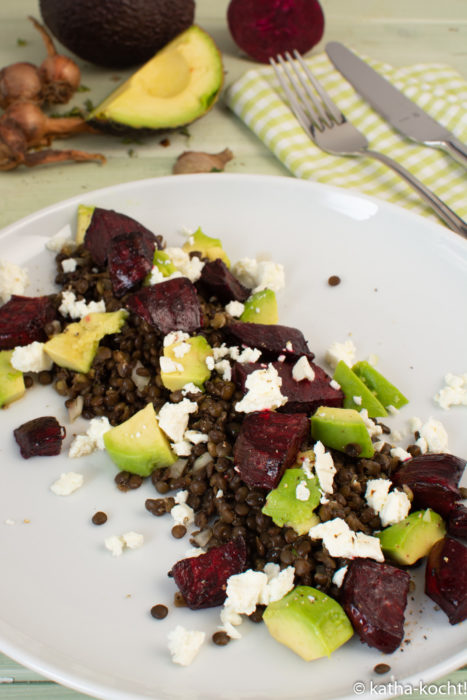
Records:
x=403, y=114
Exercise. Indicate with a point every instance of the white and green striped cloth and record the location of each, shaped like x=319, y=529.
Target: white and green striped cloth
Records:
x=257, y=99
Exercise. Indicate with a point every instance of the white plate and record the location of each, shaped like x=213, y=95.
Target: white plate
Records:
x=74, y=613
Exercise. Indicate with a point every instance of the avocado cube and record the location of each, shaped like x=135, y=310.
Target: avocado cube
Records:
x=412, y=538
x=163, y=263
x=261, y=307
x=138, y=445
x=353, y=386
x=210, y=248
x=77, y=345
x=384, y=391
x=84, y=219
x=11, y=380
x=293, y=501
x=187, y=363
x=339, y=427
x=309, y=622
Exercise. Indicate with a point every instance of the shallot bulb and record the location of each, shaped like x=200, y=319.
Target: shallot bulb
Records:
x=60, y=75
x=38, y=128
x=20, y=82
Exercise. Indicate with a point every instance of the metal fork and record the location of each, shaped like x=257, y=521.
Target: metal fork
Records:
x=329, y=129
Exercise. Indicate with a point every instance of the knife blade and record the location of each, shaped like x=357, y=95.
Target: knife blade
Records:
x=403, y=114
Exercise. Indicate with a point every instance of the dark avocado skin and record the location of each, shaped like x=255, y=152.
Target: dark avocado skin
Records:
x=116, y=33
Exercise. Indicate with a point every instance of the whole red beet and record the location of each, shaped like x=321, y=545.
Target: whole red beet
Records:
x=265, y=28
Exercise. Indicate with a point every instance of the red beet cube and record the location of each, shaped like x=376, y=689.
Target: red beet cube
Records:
x=457, y=521
x=446, y=578
x=168, y=306
x=129, y=260
x=22, y=320
x=433, y=479
x=273, y=340
x=267, y=444
x=374, y=596
x=106, y=224
x=203, y=580
x=302, y=397
x=217, y=280
x=40, y=437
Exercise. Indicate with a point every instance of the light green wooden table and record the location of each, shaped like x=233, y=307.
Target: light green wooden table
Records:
x=397, y=31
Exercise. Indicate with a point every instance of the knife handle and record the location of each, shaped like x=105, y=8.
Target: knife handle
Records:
x=457, y=150
x=449, y=217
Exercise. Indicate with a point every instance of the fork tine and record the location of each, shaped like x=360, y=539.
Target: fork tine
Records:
x=324, y=118
x=335, y=113
x=294, y=103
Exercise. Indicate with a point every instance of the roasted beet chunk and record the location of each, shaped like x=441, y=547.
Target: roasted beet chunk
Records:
x=273, y=340
x=267, y=444
x=457, y=521
x=433, y=479
x=446, y=578
x=203, y=580
x=374, y=596
x=105, y=225
x=168, y=306
x=22, y=320
x=217, y=280
x=129, y=261
x=302, y=397
x=40, y=437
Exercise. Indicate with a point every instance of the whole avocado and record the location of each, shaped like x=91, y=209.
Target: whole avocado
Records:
x=116, y=33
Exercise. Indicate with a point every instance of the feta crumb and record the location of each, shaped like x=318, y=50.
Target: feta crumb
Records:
x=117, y=543
x=339, y=576
x=210, y=364
x=168, y=365
x=60, y=239
x=182, y=514
x=235, y=308
x=454, y=393
x=189, y=267
x=263, y=391
x=181, y=496
x=303, y=370
x=391, y=507
x=190, y=388
x=224, y=369
x=195, y=436
x=182, y=448
x=335, y=385
x=175, y=337
x=433, y=437
x=184, y=644
x=259, y=275
x=194, y=552
x=400, y=453
x=156, y=276
x=9, y=521
x=392, y=410
x=357, y=400
x=67, y=483
x=372, y=427
x=173, y=418
x=324, y=468
x=75, y=308
x=341, y=541
x=69, y=265
x=302, y=492
x=31, y=358
x=92, y=440
x=377, y=491
x=336, y=352
x=245, y=355
x=13, y=280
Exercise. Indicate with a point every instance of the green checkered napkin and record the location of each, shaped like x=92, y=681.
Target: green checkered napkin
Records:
x=257, y=99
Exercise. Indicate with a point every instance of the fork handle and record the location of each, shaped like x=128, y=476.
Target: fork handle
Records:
x=439, y=207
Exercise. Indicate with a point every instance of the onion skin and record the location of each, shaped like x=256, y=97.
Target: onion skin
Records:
x=20, y=82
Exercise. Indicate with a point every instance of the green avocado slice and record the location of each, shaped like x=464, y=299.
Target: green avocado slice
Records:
x=353, y=386
x=385, y=392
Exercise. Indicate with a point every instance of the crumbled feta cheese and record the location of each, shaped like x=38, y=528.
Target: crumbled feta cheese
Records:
x=454, y=393
x=433, y=437
x=235, y=308
x=189, y=267
x=181, y=349
x=373, y=429
x=181, y=496
x=391, y=507
x=184, y=644
x=117, y=543
x=303, y=370
x=92, y=440
x=182, y=448
x=335, y=385
x=31, y=358
x=175, y=337
x=190, y=388
x=173, y=418
x=60, y=239
x=182, y=514
x=392, y=410
x=13, y=280
x=336, y=352
x=210, y=364
x=302, y=492
x=400, y=453
x=156, y=276
x=194, y=552
x=259, y=275
x=224, y=369
x=195, y=436
x=168, y=365
x=357, y=400
x=69, y=265
x=339, y=576
x=245, y=355
x=341, y=541
x=75, y=308
x=324, y=468
x=263, y=391
x=67, y=483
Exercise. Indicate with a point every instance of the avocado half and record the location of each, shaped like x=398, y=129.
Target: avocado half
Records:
x=178, y=85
